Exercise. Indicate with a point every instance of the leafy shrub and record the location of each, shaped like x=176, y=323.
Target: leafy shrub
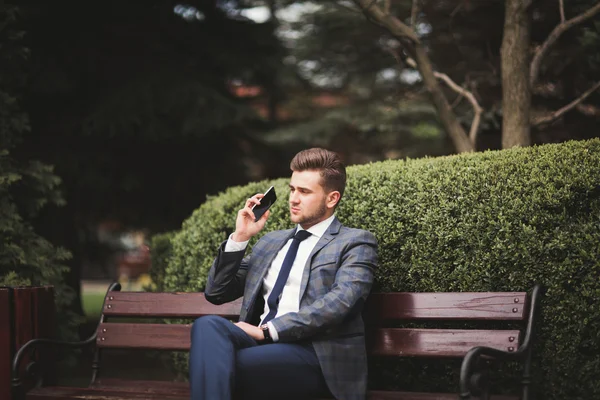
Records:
x=160, y=253
x=26, y=187
x=492, y=221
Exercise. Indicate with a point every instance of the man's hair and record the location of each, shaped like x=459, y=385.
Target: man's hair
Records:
x=328, y=163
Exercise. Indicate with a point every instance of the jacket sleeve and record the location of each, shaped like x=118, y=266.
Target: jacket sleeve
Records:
x=227, y=276
x=352, y=285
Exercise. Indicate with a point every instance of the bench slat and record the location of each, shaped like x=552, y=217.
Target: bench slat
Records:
x=383, y=342
x=58, y=392
x=144, y=336
x=117, y=393
x=172, y=387
x=386, y=395
x=438, y=342
x=380, y=306
x=447, y=306
x=166, y=305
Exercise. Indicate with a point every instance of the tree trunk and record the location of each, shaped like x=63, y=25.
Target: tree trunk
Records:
x=516, y=90
x=459, y=137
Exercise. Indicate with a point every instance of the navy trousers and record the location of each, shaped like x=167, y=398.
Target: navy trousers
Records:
x=226, y=363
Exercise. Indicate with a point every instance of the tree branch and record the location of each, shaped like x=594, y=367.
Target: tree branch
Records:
x=345, y=7
x=456, y=10
x=469, y=96
x=413, y=46
x=396, y=56
x=553, y=37
x=456, y=101
x=558, y=113
x=588, y=109
x=413, y=13
x=462, y=92
x=386, y=20
x=561, y=6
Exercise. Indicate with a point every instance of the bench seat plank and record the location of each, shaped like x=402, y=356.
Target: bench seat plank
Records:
x=380, y=306
x=173, y=387
x=438, y=342
x=383, y=342
x=59, y=392
x=183, y=388
x=509, y=306
x=166, y=305
x=144, y=336
x=385, y=395
x=118, y=393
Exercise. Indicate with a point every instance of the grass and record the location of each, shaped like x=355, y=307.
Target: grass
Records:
x=92, y=298
x=92, y=304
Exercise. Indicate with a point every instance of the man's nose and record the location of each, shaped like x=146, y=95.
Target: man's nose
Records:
x=293, y=198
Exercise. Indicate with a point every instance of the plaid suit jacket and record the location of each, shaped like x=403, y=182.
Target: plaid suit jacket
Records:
x=336, y=281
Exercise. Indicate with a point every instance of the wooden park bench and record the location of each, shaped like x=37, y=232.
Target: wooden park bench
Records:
x=383, y=313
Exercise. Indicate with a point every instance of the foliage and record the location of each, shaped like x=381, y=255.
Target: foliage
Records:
x=492, y=221
x=390, y=128
x=336, y=47
x=132, y=103
x=590, y=40
x=160, y=253
x=134, y=96
x=26, y=187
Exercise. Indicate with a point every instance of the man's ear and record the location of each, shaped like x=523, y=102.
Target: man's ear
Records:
x=333, y=198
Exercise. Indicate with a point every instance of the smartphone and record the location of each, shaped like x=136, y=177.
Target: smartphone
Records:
x=265, y=203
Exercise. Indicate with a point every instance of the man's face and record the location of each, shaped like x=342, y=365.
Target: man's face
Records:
x=309, y=204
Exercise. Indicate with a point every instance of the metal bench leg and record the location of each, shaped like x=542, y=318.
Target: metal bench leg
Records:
x=526, y=380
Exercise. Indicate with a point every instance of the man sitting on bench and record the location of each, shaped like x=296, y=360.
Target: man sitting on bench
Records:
x=301, y=332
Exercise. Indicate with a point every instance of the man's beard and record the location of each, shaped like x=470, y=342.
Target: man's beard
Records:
x=315, y=217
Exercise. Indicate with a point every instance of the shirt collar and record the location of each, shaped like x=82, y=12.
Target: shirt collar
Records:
x=319, y=229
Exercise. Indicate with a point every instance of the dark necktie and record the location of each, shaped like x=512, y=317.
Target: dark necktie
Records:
x=284, y=273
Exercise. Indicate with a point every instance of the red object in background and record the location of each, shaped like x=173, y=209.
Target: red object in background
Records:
x=134, y=263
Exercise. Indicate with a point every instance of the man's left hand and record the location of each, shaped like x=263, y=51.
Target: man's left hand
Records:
x=253, y=331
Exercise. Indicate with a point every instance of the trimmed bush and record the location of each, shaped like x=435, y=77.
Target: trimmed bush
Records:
x=492, y=221
x=160, y=253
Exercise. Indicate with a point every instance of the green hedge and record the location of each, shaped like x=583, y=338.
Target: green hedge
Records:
x=490, y=221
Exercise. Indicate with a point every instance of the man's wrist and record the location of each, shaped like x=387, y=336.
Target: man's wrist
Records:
x=266, y=333
x=232, y=246
x=236, y=237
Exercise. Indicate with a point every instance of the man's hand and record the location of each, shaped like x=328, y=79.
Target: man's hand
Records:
x=253, y=331
x=245, y=227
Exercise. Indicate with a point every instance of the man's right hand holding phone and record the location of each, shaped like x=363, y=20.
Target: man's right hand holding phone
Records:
x=245, y=227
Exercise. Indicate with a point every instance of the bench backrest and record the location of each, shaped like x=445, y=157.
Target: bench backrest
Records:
x=384, y=311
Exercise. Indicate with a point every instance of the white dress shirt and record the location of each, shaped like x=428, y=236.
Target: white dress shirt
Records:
x=290, y=296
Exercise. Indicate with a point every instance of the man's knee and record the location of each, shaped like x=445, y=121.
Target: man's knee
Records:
x=206, y=324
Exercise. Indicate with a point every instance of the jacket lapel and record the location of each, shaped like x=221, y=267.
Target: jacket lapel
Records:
x=327, y=237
